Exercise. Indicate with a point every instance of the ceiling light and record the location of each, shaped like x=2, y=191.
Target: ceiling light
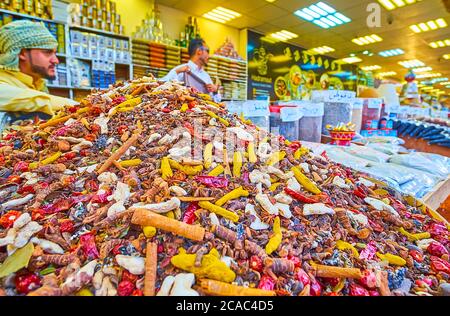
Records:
x=394, y=4
x=351, y=60
x=391, y=52
x=414, y=63
x=422, y=69
x=221, y=14
x=386, y=74
x=371, y=68
x=438, y=44
x=428, y=26
x=365, y=40
x=271, y=1
x=447, y=56
x=283, y=35
x=322, y=15
x=428, y=75
x=445, y=83
x=321, y=50
x=436, y=80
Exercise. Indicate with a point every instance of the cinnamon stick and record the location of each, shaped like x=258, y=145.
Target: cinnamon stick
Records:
x=151, y=261
x=118, y=153
x=145, y=217
x=195, y=198
x=336, y=272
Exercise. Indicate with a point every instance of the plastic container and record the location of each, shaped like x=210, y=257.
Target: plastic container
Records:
x=257, y=111
x=310, y=125
x=371, y=113
x=286, y=126
x=357, y=112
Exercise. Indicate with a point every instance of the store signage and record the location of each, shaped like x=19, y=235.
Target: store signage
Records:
x=290, y=114
x=337, y=96
x=358, y=103
x=256, y=108
x=374, y=103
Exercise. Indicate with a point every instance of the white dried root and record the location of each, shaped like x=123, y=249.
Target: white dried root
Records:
x=366, y=182
x=48, y=246
x=167, y=139
x=283, y=198
x=380, y=205
x=107, y=178
x=25, y=233
x=163, y=207
x=214, y=219
x=257, y=224
x=305, y=167
x=32, y=178
x=136, y=265
x=265, y=203
x=264, y=151
x=241, y=134
x=360, y=219
x=154, y=137
x=293, y=184
x=424, y=243
x=12, y=204
x=179, y=191
x=338, y=181
x=102, y=121
x=79, y=278
x=120, y=195
x=256, y=176
x=21, y=221
x=180, y=285
x=81, y=145
x=317, y=209
x=178, y=153
x=279, y=173
x=21, y=232
x=102, y=283
x=284, y=210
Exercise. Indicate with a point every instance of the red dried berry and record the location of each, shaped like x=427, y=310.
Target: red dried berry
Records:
x=125, y=288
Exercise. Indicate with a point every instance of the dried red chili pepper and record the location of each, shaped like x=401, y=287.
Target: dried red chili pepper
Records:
x=300, y=197
x=58, y=206
x=189, y=216
x=160, y=248
x=73, y=109
x=369, y=279
x=128, y=276
x=166, y=110
x=69, y=155
x=21, y=166
x=118, y=100
x=95, y=128
x=437, y=229
x=14, y=179
x=331, y=294
x=330, y=281
x=302, y=276
x=2, y=159
x=37, y=214
x=88, y=246
x=439, y=265
x=359, y=193
x=101, y=198
x=316, y=288
x=437, y=249
x=358, y=290
x=26, y=189
x=375, y=226
x=266, y=283
x=137, y=292
x=125, y=288
x=84, y=152
x=67, y=225
x=90, y=137
x=192, y=104
x=41, y=142
x=256, y=263
x=374, y=293
x=212, y=182
x=121, y=129
x=295, y=260
x=295, y=145
x=26, y=283
x=416, y=255
x=7, y=220
x=91, y=185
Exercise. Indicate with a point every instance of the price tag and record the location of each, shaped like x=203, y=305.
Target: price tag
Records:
x=393, y=108
x=311, y=109
x=374, y=103
x=234, y=107
x=341, y=96
x=291, y=114
x=255, y=108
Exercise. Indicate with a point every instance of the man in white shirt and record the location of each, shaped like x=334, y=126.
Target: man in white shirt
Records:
x=193, y=73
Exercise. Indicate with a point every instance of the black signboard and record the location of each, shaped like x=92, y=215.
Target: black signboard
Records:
x=286, y=72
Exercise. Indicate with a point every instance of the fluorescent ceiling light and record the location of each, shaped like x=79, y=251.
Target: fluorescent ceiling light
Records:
x=365, y=40
x=447, y=56
x=422, y=69
x=438, y=44
x=371, y=68
x=414, y=63
x=321, y=50
x=221, y=14
x=283, y=35
x=428, y=26
x=386, y=74
x=394, y=4
x=351, y=60
x=322, y=15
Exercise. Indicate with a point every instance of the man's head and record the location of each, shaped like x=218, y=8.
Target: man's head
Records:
x=199, y=52
x=28, y=47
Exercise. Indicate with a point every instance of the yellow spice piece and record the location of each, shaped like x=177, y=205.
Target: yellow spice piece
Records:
x=237, y=164
x=130, y=163
x=276, y=157
x=300, y=152
x=343, y=245
x=275, y=240
x=304, y=181
x=414, y=237
x=274, y=186
x=170, y=214
x=184, y=108
x=216, y=171
x=386, y=200
x=149, y=231
x=392, y=259
x=219, y=210
x=211, y=266
x=189, y=170
x=204, y=96
x=165, y=168
x=207, y=155
x=46, y=161
x=251, y=153
x=235, y=194
x=84, y=292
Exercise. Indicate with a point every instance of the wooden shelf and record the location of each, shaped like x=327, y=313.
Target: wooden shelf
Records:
x=98, y=31
x=32, y=17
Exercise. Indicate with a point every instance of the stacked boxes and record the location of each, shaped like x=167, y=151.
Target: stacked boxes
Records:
x=100, y=14
x=61, y=75
x=39, y=8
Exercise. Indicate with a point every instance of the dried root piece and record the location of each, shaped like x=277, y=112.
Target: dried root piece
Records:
x=218, y=288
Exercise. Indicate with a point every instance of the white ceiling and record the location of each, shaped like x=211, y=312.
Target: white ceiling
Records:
x=265, y=17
